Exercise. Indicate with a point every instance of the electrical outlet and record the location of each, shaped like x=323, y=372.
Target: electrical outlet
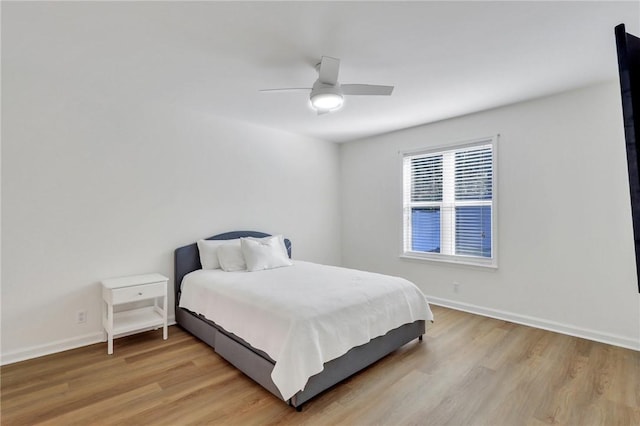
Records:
x=456, y=287
x=81, y=317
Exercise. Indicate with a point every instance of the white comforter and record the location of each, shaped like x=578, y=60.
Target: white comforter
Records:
x=303, y=315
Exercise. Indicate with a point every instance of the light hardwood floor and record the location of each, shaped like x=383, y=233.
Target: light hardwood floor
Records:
x=469, y=370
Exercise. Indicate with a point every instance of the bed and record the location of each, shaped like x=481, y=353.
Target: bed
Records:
x=308, y=361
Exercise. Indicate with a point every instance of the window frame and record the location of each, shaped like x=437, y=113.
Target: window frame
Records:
x=407, y=205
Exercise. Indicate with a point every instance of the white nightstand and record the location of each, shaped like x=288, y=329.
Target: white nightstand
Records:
x=116, y=291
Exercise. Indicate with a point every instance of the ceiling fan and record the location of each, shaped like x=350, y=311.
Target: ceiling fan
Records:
x=327, y=94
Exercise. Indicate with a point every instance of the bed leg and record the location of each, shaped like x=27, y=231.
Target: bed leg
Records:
x=420, y=338
x=298, y=408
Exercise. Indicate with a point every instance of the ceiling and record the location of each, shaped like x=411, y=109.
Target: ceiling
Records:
x=445, y=59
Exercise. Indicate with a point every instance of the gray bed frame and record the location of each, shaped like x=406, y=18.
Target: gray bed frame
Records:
x=257, y=364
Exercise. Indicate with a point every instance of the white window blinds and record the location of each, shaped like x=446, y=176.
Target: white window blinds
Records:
x=449, y=198
x=426, y=178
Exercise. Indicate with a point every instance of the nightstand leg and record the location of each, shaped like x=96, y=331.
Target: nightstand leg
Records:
x=110, y=329
x=165, y=333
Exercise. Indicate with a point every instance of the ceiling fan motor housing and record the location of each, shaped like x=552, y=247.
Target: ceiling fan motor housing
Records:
x=326, y=97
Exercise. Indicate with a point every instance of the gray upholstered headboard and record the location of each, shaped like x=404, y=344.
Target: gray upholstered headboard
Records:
x=187, y=258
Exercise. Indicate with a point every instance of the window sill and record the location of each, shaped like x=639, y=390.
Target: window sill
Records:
x=450, y=260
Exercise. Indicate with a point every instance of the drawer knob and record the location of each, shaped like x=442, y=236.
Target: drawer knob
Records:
x=139, y=294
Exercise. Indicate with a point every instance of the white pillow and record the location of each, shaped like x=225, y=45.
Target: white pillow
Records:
x=208, y=250
x=264, y=253
x=231, y=258
x=269, y=239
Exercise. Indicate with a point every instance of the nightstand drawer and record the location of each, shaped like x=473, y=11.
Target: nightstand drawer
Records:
x=138, y=292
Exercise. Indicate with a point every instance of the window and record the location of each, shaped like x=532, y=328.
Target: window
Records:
x=449, y=199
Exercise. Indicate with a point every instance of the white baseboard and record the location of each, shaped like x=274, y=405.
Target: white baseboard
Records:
x=58, y=346
x=611, y=339
x=597, y=336
x=51, y=348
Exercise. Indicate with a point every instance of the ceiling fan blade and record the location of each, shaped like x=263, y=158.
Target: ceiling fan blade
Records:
x=366, y=89
x=328, y=71
x=288, y=89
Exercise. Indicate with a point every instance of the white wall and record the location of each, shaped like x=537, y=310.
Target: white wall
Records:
x=566, y=259
x=100, y=179
x=99, y=182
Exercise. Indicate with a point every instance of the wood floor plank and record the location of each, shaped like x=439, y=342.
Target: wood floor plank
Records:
x=469, y=370
x=92, y=412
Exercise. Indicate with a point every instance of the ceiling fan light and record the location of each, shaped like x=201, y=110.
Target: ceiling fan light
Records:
x=326, y=101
